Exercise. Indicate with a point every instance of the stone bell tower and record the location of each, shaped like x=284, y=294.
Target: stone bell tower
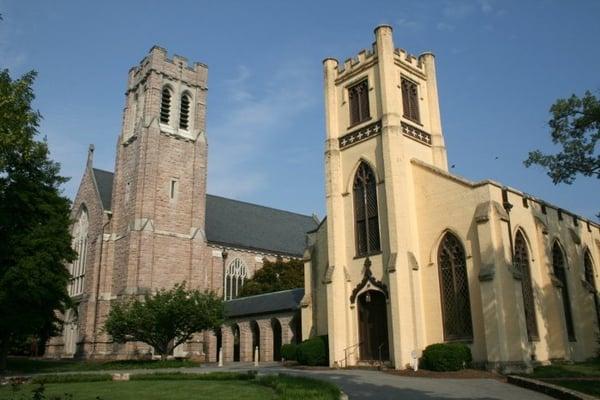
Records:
x=159, y=188
x=382, y=112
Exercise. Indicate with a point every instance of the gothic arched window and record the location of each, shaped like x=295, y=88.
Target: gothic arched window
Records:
x=454, y=289
x=521, y=262
x=235, y=274
x=558, y=267
x=365, y=211
x=184, y=113
x=165, y=106
x=588, y=268
x=80, y=234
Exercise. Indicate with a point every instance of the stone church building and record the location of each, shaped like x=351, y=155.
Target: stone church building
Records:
x=411, y=254
x=408, y=255
x=151, y=224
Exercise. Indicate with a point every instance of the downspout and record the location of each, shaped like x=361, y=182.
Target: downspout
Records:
x=98, y=281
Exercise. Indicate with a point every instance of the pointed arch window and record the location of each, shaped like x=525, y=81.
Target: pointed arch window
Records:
x=165, y=106
x=77, y=268
x=588, y=268
x=184, y=113
x=521, y=262
x=454, y=289
x=366, y=211
x=235, y=275
x=558, y=267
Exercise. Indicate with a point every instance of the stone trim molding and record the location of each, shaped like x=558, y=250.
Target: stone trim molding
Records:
x=368, y=278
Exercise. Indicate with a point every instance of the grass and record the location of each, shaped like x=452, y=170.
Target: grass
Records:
x=589, y=371
x=577, y=370
x=26, y=366
x=217, y=385
x=147, y=390
x=587, y=386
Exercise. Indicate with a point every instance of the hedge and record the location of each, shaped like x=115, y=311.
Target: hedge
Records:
x=289, y=351
x=314, y=351
x=446, y=357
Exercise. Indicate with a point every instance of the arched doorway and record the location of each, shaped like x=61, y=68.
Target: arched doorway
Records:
x=372, y=326
x=219, y=342
x=236, y=342
x=255, y=337
x=276, y=325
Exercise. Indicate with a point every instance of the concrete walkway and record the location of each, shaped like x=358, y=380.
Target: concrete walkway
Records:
x=376, y=385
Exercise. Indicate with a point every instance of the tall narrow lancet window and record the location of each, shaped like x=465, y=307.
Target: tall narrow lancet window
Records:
x=521, y=261
x=235, y=275
x=410, y=100
x=165, y=106
x=358, y=96
x=365, y=211
x=588, y=269
x=184, y=114
x=454, y=289
x=80, y=238
x=558, y=267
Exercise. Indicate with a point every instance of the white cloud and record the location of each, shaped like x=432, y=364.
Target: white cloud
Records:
x=404, y=23
x=257, y=112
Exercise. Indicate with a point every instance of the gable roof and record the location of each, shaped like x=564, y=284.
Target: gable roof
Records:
x=250, y=226
x=104, y=181
x=286, y=300
x=239, y=224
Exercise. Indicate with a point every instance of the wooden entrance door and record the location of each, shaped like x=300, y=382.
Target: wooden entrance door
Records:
x=372, y=325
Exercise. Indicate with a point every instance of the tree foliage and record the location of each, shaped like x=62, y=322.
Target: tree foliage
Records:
x=275, y=276
x=165, y=319
x=575, y=127
x=35, y=242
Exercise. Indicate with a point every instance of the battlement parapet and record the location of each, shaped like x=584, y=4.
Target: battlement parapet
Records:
x=408, y=59
x=176, y=68
x=351, y=65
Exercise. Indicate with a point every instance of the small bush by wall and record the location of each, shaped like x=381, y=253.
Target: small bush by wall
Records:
x=446, y=357
x=314, y=351
x=288, y=351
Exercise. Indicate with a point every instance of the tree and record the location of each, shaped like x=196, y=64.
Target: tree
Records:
x=275, y=276
x=35, y=242
x=165, y=319
x=575, y=126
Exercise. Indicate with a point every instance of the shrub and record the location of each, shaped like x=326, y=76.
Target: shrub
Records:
x=288, y=351
x=314, y=351
x=446, y=357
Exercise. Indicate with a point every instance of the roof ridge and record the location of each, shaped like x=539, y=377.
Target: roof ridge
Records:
x=264, y=294
x=260, y=205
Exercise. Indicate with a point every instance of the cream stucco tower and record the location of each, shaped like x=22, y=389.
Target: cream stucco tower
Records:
x=400, y=122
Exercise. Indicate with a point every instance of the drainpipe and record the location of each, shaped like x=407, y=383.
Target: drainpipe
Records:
x=224, y=256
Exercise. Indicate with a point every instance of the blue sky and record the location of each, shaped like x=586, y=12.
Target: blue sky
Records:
x=501, y=64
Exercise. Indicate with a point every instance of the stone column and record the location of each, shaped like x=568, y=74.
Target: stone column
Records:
x=287, y=331
x=210, y=347
x=266, y=340
x=245, y=341
x=227, y=340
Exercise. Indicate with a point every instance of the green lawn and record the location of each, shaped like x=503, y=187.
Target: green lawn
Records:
x=25, y=365
x=148, y=390
x=213, y=386
x=577, y=370
x=588, y=369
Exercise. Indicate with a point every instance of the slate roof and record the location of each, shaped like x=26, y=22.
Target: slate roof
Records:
x=104, y=180
x=250, y=226
x=239, y=224
x=286, y=300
